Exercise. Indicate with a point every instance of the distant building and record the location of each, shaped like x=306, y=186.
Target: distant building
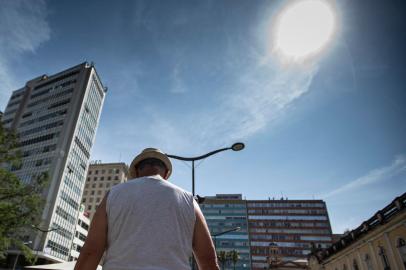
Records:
x=378, y=243
x=56, y=118
x=223, y=213
x=100, y=178
x=292, y=226
x=274, y=234
x=82, y=228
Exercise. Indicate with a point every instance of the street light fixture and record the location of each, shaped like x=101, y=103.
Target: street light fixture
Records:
x=235, y=147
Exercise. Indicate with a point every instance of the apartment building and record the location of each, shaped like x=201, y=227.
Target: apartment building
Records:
x=272, y=232
x=100, y=178
x=226, y=216
x=56, y=118
x=286, y=230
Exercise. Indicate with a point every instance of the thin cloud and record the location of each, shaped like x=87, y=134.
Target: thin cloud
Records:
x=178, y=85
x=23, y=28
x=376, y=175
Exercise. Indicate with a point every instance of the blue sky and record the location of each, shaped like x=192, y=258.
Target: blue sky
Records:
x=193, y=76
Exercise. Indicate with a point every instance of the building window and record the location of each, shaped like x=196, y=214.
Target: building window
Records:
x=93, y=185
x=95, y=179
x=96, y=172
x=384, y=258
x=90, y=199
x=92, y=193
x=99, y=192
x=85, y=192
x=401, y=245
x=117, y=171
x=84, y=200
x=87, y=186
x=90, y=172
x=109, y=178
x=103, y=171
x=102, y=178
x=98, y=200
x=355, y=265
x=116, y=177
x=344, y=267
x=88, y=179
x=100, y=185
x=368, y=262
x=89, y=207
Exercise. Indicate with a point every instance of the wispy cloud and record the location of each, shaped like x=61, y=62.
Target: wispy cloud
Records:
x=23, y=27
x=397, y=166
x=178, y=85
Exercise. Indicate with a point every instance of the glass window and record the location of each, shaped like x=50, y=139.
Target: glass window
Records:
x=95, y=179
x=100, y=185
x=89, y=207
x=96, y=172
x=384, y=258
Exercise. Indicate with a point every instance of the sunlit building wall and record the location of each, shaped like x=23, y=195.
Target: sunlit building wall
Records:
x=288, y=228
x=56, y=118
x=101, y=177
x=226, y=212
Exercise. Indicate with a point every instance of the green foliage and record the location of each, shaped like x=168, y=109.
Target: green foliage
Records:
x=20, y=204
x=225, y=257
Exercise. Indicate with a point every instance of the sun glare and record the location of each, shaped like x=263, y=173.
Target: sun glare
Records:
x=304, y=28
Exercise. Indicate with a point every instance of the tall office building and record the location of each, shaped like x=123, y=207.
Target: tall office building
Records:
x=285, y=230
x=100, y=178
x=56, y=118
x=81, y=231
x=273, y=232
x=226, y=216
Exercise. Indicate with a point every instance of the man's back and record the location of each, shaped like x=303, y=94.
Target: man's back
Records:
x=150, y=226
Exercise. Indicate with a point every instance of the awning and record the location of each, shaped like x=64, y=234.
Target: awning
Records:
x=58, y=266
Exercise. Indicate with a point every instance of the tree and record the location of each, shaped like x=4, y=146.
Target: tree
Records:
x=234, y=257
x=222, y=257
x=20, y=203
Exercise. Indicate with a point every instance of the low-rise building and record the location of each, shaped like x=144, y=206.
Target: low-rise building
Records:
x=378, y=243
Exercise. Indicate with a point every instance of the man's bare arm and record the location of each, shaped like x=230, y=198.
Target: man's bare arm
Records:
x=96, y=240
x=203, y=247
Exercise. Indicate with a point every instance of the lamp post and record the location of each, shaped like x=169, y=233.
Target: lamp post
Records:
x=18, y=254
x=221, y=233
x=235, y=147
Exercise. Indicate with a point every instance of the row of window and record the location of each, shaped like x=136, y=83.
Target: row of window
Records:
x=39, y=150
x=286, y=204
x=65, y=215
x=293, y=231
x=59, y=78
x=58, y=248
x=103, y=172
x=42, y=128
x=102, y=178
x=289, y=224
x=46, y=99
x=284, y=237
x=287, y=211
x=286, y=217
x=62, y=231
x=45, y=117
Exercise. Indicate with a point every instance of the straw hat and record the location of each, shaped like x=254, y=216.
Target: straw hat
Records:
x=150, y=153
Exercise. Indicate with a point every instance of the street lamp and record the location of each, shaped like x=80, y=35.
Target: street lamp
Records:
x=18, y=254
x=235, y=147
x=221, y=233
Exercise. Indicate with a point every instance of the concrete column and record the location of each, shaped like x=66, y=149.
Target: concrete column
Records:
x=373, y=256
x=391, y=254
x=361, y=263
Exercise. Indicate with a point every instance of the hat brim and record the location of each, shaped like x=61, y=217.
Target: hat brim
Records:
x=145, y=155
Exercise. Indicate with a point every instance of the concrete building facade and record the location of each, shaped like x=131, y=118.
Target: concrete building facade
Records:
x=56, y=118
x=285, y=230
x=378, y=243
x=273, y=232
x=100, y=178
x=82, y=228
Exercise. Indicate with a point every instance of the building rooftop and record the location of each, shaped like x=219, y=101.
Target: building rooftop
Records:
x=380, y=218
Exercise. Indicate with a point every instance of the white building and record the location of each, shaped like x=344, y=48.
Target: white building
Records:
x=57, y=117
x=82, y=227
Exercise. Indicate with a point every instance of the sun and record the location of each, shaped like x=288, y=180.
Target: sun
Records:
x=303, y=29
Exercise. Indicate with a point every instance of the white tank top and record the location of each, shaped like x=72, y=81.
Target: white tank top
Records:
x=150, y=226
